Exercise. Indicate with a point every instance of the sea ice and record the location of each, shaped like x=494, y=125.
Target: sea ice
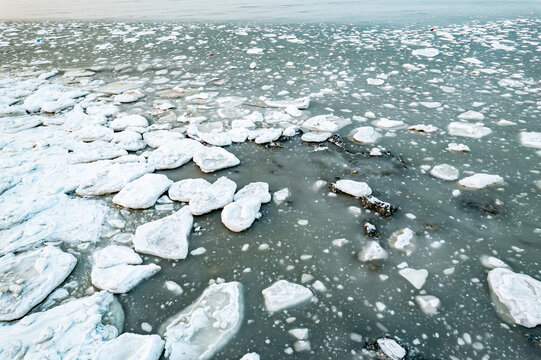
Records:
x=211, y=159
x=468, y=130
x=415, y=277
x=126, y=121
x=258, y=190
x=402, y=240
x=353, y=188
x=481, y=181
x=392, y=349
x=366, y=135
x=130, y=346
x=445, y=172
x=428, y=52
x=531, y=139
x=240, y=214
x=283, y=294
x=143, y=192
x=216, y=196
x=174, y=154
x=372, y=252
x=112, y=178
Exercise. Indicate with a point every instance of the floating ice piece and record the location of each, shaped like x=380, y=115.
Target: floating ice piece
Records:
x=283, y=294
x=211, y=159
x=429, y=304
x=166, y=237
x=403, y=240
x=174, y=154
x=430, y=104
x=130, y=346
x=112, y=178
x=75, y=330
x=257, y=190
x=293, y=111
x=102, y=110
x=240, y=215
x=445, y=172
x=204, y=327
x=315, y=136
x=392, y=349
x=114, y=255
x=216, y=139
x=126, y=121
x=184, y=190
x=265, y=136
x=423, y=128
x=52, y=107
x=299, y=333
x=120, y=279
x=215, y=197
x=27, y=278
x=129, y=140
x=481, y=181
x=376, y=82
x=11, y=125
x=416, y=278
x=372, y=252
x=281, y=195
x=157, y=138
x=468, y=130
x=512, y=83
x=119, y=87
x=473, y=61
x=517, y=297
x=325, y=123
x=531, y=139
x=353, y=188
x=385, y=123
x=255, y=51
x=300, y=103
x=471, y=115
x=454, y=147
x=491, y=262
x=366, y=135
x=94, y=132
x=143, y=192
x=428, y=52
x=250, y=356
x=97, y=150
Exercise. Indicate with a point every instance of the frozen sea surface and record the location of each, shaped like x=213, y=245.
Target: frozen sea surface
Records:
x=407, y=88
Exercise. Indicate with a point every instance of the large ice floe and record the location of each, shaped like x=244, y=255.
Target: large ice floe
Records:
x=27, y=278
x=284, y=294
x=74, y=330
x=118, y=270
x=143, y=192
x=166, y=237
x=130, y=346
x=204, y=327
x=517, y=297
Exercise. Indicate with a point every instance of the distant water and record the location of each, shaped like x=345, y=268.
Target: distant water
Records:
x=345, y=11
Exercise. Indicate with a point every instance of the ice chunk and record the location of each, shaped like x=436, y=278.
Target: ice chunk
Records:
x=126, y=121
x=97, y=150
x=204, y=327
x=94, y=132
x=114, y=255
x=300, y=103
x=258, y=190
x=325, y=123
x=121, y=278
x=366, y=135
x=27, y=278
x=130, y=346
x=129, y=140
x=429, y=304
x=283, y=294
x=174, y=154
x=299, y=334
x=471, y=115
x=531, y=139
x=517, y=297
x=166, y=237
x=240, y=215
x=113, y=178
x=392, y=349
x=402, y=240
x=75, y=330
x=143, y=192
x=315, y=136
x=385, y=123
x=481, y=181
x=444, y=172
x=214, y=158
x=281, y=195
x=118, y=87
x=353, y=188
x=428, y=52
x=421, y=128
x=157, y=138
x=457, y=147
x=415, y=277
x=372, y=252
x=219, y=194
x=250, y=356
x=268, y=135
x=468, y=130
x=184, y=190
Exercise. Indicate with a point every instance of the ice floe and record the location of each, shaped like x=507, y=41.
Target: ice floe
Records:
x=445, y=172
x=212, y=159
x=353, y=188
x=468, y=130
x=415, y=277
x=130, y=346
x=214, y=197
x=143, y=192
x=481, y=181
x=284, y=294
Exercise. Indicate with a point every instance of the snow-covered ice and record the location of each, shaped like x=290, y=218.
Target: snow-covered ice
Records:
x=129, y=346
x=143, y=192
x=481, y=181
x=283, y=294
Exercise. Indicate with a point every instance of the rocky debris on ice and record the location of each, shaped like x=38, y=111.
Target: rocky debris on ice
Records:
x=381, y=207
x=74, y=330
x=481, y=181
x=143, y=192
x=251, y=356
x=421, y=128
x=281, y=195
x=372, y=252
x=127, y=121
x=214, y=197
x=366, y=135
x=370, y=229
x=531, y=139
x=517, y=297
x=403, y=240
x=129, y=346
x=284, y=294
x=204, y=327
x=427, y=52
x=174, y=154
x=429, y=304
x=445, y=172
x=415, y=277
x=391, y=349
x=116, y=269
x=166, y=237
x=26, y=279
x=211, y=159
x=112, y=178
x=351, y=187
x=184, y=190
x=241, y=214
x=468, y=130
